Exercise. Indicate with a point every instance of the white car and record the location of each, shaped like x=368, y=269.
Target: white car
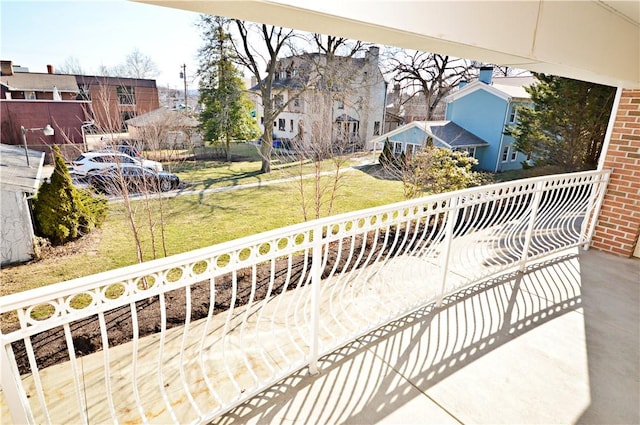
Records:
x=90, y=162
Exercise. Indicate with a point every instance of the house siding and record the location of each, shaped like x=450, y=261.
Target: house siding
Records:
x=484, y=115
x=65, y=117
x=16, y=244
x=413, y=135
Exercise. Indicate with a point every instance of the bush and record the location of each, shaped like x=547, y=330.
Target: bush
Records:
x=386, y=156
x=438, y=170
x=62, y=213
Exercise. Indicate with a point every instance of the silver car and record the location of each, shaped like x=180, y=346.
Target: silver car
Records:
x=91, y=162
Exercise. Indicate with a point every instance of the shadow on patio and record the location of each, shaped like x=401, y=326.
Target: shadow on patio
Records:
x=559, y=344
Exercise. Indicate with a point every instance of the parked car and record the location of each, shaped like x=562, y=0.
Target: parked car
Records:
x=125, y=148
x=90, y=162
x=136, y=178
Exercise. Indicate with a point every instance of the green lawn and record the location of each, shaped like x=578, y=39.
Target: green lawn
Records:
x=196, y=221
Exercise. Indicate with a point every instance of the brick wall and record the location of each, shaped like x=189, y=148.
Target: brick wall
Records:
x=618, y=225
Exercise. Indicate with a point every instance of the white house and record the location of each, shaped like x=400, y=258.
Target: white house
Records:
x=19, y=179
x=351, y=107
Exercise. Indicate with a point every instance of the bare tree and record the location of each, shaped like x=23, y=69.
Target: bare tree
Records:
x=320, y=157
x=274, y=41
x=139, y=65
x=135, y=65
x=431, y=74
x=72, y=66
x=143, y=204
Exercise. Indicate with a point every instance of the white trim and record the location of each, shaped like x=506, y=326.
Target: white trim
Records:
x=607, y=135
x=474, y=87
x=499, y=156
x=421, y=125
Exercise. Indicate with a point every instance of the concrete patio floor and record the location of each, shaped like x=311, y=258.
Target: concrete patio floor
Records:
x=559, y=344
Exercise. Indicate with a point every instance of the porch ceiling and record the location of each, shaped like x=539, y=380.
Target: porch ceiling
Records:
x=591, y=40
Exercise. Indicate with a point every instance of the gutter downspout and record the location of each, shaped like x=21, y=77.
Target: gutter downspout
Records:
x=504, y=123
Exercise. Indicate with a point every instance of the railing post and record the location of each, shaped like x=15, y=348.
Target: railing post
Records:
x=537, y=195
x=316, y=274
x=16, y=401
x=452, y=217
x=593, y=209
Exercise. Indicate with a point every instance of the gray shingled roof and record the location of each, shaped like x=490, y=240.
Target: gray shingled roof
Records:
x=15, y=175
x=454, y=135
x=26, y=81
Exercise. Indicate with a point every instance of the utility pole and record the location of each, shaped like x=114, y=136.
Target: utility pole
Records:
x=183, y=75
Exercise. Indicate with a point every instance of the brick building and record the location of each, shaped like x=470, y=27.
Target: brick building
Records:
x=68, y=103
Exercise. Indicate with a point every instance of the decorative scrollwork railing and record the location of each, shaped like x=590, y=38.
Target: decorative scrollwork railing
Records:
x=232, y=319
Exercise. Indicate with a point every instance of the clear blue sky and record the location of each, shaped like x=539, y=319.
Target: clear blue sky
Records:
x=36, y=33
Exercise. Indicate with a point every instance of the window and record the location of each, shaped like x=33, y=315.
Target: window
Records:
x=278, y=101
x=471, y=151
x=291, y=126
x=84, y=93
x=376, y=128
x=275, y=124
x=282, y=75
x=126, y=95
x=397, y=148
x=505, y=153
x=281, y=124
x=261, y=120
x=296, y=102
x=31, y=95
x=408, y=151
x=513, y=114
x=340, y=104
x=514, y=155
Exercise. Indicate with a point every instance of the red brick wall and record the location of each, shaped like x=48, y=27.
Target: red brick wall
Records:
x=618, y=225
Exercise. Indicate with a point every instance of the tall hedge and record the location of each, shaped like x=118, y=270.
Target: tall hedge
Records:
x=63, y=213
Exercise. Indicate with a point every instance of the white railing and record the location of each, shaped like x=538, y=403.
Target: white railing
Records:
x=265, y=306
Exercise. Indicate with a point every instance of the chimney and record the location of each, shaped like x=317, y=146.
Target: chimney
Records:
x=49, y=69
x=6, y=68
x=486, y=74
x=372, y=54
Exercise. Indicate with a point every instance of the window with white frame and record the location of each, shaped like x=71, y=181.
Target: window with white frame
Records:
x=513, y=114
x=376, y=128
x=514, y=155
x=126, y=95
x=408, y=150
x=291, y=126
x=282, y=124
x=471, y=151
x=397, y=148
x=505, y=153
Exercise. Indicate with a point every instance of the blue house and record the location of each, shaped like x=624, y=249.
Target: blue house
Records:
x=475, y=120
x=411, y=137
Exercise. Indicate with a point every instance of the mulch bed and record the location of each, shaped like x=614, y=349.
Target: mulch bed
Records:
x=50, y=346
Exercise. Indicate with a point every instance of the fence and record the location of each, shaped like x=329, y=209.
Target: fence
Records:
x=188, y=337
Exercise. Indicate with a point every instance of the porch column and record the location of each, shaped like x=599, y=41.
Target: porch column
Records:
x=618, y=225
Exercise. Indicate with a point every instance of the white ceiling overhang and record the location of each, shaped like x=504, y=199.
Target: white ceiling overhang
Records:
x=591, y=40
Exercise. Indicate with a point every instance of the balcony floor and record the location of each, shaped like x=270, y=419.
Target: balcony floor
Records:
x=559, y=344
